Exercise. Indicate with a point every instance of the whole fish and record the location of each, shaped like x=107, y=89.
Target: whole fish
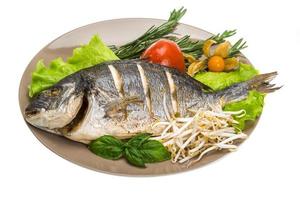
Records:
x=123, y=98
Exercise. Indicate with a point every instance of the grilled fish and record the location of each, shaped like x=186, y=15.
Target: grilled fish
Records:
x=123, y=98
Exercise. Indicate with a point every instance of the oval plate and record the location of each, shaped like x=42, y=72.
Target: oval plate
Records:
x=118, y=31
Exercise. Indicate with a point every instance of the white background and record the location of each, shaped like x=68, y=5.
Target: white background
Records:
x=267, y=164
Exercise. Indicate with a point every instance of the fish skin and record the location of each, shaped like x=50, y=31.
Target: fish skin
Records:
x=109, y=98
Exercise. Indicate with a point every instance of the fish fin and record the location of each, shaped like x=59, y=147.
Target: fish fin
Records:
x=119, y=106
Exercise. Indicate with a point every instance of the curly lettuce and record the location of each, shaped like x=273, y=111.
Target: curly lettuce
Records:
x=221, y=80
x=91, y=54
x=253, y=105
x=85, y=56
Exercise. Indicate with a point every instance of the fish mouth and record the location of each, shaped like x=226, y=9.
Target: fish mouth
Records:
x=76, y=121
x=31, y=112
x=63, y=118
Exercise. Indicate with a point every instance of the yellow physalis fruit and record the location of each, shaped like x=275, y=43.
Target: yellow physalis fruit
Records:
x=206, y=47
x=189, y=57
x=231, y=63
x=222, y=49
x=216, y=64
x=196, y=67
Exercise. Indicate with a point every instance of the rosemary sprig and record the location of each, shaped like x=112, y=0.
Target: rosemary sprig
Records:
x=237, y=47
x=194, y=47
x=188, y=45
x=219, y=38
x=133, y=49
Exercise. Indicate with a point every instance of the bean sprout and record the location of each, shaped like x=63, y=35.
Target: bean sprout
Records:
x=190, y=138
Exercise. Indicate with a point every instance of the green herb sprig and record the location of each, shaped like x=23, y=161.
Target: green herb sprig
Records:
x=133, y=49
x=194, y=47
x=220, y=37
x=189, y=46
x=138, y=151
x=237, y=47
x=186, y=44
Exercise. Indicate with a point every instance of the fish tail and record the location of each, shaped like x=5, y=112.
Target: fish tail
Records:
x=261, y=83
x=239, y=91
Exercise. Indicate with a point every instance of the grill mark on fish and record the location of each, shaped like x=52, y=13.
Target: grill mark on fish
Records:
x=173, y=92
x=158, y=86
x=132, y=86
x=146, y=88
x=118, y=81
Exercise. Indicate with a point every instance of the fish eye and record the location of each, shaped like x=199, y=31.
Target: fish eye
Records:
x=53, y=92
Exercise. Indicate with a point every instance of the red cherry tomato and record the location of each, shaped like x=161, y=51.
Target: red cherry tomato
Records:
x=165, y=52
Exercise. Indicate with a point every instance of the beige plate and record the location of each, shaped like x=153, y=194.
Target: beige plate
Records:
x=117, y=32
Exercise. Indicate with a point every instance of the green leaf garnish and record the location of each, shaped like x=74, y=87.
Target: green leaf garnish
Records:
x=107, y=147
x=153, y=151
x=221, y=80
x=85, y=56
x=253, y=107
x=137, y=151
x=138, y=140
x=134, y=157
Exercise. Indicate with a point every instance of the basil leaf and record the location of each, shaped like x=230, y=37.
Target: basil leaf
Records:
x=134, y=157
x=148, y=151
x=138, y=140
x=137, y=151
x=153, y=151
x=107, y=147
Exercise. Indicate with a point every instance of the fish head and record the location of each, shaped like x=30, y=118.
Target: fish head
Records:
x=55, y=107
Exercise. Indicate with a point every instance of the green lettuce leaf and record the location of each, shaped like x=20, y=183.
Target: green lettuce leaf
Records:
x=91, y=54
x=44, y=77
x=253, y=105
x=85, y=56
x=221, y=80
